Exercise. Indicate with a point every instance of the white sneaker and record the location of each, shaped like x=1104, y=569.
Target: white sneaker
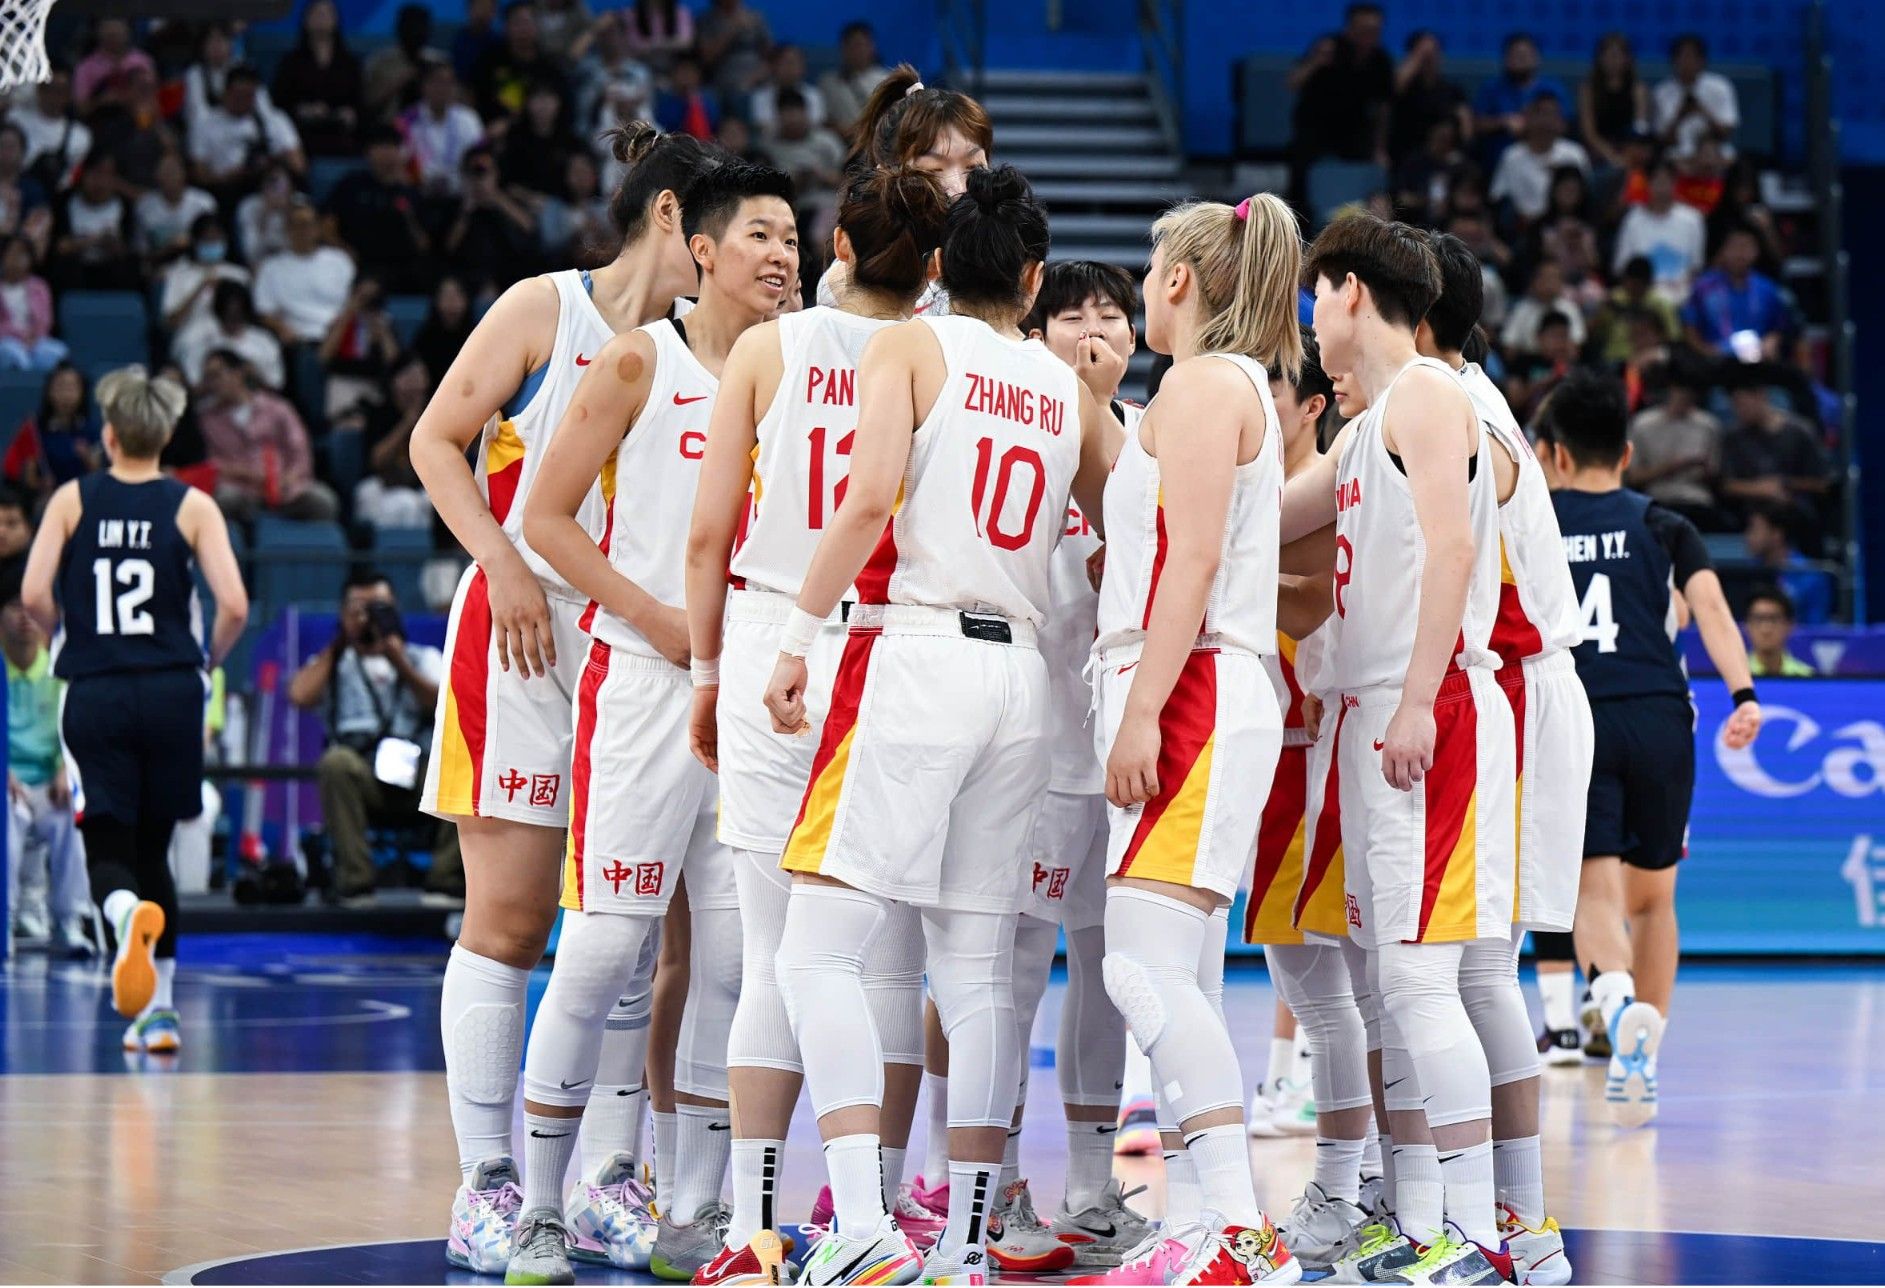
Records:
x=885, y=1256
x=963, y=1268
x=1293, y=1108
x=1630, y=1087
x=1018, y=1240
x=1102, y=1234
x=1318, y=1224
x=484, y=1218
x=608, y=1217
x=1538, y=1255
x=1260, y=1118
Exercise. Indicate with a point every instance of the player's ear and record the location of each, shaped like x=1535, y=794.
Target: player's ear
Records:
x=1629, y=454
x=1035, y=333
x=667, y=210
x=841, y=247
x=701, y=247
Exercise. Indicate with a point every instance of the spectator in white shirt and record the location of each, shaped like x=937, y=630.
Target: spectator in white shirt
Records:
x=231, y=324
x=439, y=130
x=302, y=290
x=167, y=212
x=1695, y=103
x=50, y=129
x=788, y=72
x=262, y=216
x=1672, y=236
x=190, y=282
x=234, y=141
x=1546, y=295
x=208, y=76
x=1525, y=168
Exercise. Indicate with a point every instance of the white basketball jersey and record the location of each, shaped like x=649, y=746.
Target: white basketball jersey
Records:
x=1380, y=558
x=1241, y=609
x=804, y=450
x=985, y=492
x=932, y=303
x=651, y=487
x=1314, y=654
x=514, y=443
x=1538, y=608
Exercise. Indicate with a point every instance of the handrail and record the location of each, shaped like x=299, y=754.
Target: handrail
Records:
x=1162, y=45
x=962, y=31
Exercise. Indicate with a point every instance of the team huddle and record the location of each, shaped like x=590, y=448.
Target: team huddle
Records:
x=828, y=666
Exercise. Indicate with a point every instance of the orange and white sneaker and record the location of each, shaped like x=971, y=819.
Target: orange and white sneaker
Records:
x=134, y=969
x=1537, y=1252
x=1224, y=1253
x=1019, y=1241
x=154, y=1032
x=760, y=1260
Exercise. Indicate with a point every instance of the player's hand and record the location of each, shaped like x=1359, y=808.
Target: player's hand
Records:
x=1132, y=765
x=1742, y=727
x=1407, y=747
x=1099, y=366
x=785, y=695
x=703, y=726
x=1096, y=568
x=666, y=629
x=520, y=616
x=1312, y=716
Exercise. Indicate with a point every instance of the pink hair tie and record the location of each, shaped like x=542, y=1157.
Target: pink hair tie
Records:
x=1242, y=211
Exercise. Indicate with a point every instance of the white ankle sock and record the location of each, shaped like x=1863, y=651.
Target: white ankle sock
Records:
x=857, y=1189
x=611, y=1125
x=1338, y=1167
x=703, y=1141
x=755, y=1189
x=1469, y=1192
x=1419, y=1192
x=1518, y=1174
x=1222, y=1155
x=1555, y=990
x=549, y=1144
x=894, y=1160
x=1183, y=1198
x=1089, y=1163
x=481, y=1021
x=1282, y=1061
x=1610, y=991
x=161, y=997
x=936, y=1148
x=667, y=1127
x=1371, y=1154
x=972, y=1197
x=1010, y=1161
x=116, y=907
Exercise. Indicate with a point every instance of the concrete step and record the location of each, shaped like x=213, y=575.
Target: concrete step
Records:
x=1065, y=136
x=1061, y=80
x=1040, y=109
x=1147, y=193
x=1101, y=227
x=1090, y=165
x=1131, y=256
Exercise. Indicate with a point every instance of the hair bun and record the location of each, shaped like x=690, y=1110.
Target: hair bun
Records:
x=992, y=188
x=630, y=143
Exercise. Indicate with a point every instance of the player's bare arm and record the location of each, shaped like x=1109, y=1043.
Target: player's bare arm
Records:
x=508, y=343
x=1304, y=603
x=201, y=521
x=42, y=563
x=1100, y=437
x=1309, y=495
x=1726, y=649
x=1311, y=555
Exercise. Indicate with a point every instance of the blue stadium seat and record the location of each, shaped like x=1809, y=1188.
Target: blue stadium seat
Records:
x=340, y=457
x=105, y=328
x=408, y=314
x=19, y=398
x=1264, y=104
x=325, y=173
x=297, y=563
x=401, y=553
x=1334, y=184
x=1725, y=547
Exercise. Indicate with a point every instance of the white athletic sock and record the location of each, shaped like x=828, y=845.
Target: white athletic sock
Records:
x=1010, y=1161
x=481, y=1021
x=161, y=997
x=972, y=1196
x=755, y=1189
x=703, y=1139
x=1390, y=1195
x=1556, y=989
x=1338, y=1167
x=549, y=1144
x=1610, y=991
x=1518, y=1173
x=1282, y=1061
x=611, y=1125
x=1222, y=1155
x=1089, y=1163
x=1419, y=1192
x=667, y=1127
x=116, y=907
x=1372, y=1154
x=1467, y=1174
x=936, y=1148
x=857, y=1189
x=1184, y=1201
x=894, y=1160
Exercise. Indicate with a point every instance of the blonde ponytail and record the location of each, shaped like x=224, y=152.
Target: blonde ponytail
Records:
x=1248, y=263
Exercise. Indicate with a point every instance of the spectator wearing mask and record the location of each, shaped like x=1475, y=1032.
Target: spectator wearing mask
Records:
x=104, y=74
x=1771, y=455
x=787, y=73
x=537, y=146
x=1523, y=175
x=1675, y=451
x=685, y=106
x=1545, y=294
x=259, y=447
x=167, y=213
x=231, y=326
x=1695, y=105
x=319, y=83
x=847, y=87
x=1769, y=624
x=505, y=75
x=377, y=691
x=374, y=214
x=26, y=317
x=238, y=136
x=492, y=240
x=391, y=77
x=734, y=42
x=657, y=30
x=46, y=876
x=262, y=216
x=302, y=290
x=390, y=496
x=1769, y=539
x=1672, y=236
x=1423, y=98
x=1733, y=299
x=190, y=280
x=56, y=141
x=91, y=232
x=440, y=131
x=60, y=441
x=446, y=327
x=1612, y=102
x=1343, y=86
x=1499, y=109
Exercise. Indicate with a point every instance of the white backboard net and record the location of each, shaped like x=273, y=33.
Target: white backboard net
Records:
x=23, y=42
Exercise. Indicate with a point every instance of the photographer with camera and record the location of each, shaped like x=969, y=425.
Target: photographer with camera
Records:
x=377, y=691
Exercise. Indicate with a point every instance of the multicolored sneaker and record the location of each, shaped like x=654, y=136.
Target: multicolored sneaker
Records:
x=134, y=969
x=760, y=1260
x=922, y=1225
x=1560, y=1048
x=1596, y=1032
x=1630, y=1087
x=1538, y=1255
x=1018, y=1240
x=1450, y=1259
x=935, y=1198
x=154, y=1032
x=885, y=1256
x=681, y=1250
x=963, y=1268
x=1138, y=1128
x=541, y=1254
x=484, y=1218
x=608, y=1216
x=1102, y=1234
x=1222, y=1253
x=824, y=1212
x=1318, y=1224
x=1154, y=1260
x=1376, y=1253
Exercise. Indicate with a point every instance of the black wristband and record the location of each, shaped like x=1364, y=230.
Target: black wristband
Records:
x=1743, y=695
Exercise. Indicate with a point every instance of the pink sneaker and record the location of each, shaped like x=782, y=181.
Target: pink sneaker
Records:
x=934, y=1198
x=922, y=1225
x=823, y=1213
x=1157, y=1260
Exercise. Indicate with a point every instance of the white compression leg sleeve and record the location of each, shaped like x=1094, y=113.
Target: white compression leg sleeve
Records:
x=481, y=1019
x=1496, y=1005
x=1156, y=974
x=1034, y=942
x=1091, y=1055
x=761, y=1036
x=828, y=932
x=1367, y=999
x=1313, y=980
x=971, y=976
x=893, y=983
x=597, y=952
x=618, y=1101
x=713, y=994
x=1422, y=1012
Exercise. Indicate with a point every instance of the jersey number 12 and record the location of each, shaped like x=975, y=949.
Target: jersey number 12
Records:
x=138, y=580
x=1600, y=624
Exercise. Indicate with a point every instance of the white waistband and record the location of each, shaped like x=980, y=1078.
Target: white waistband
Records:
x=774, y=607
x=1119, y=654
x=1549, y=665
x=1295, y=737
x=917, y=619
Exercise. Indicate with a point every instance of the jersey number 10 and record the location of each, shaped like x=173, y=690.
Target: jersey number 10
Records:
x=988, y=521
x=138, y=580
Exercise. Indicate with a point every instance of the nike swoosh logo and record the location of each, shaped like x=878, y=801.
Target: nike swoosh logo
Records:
x=1447, y=1158
x=582, y=361
x=548, y=1135
x=719, y=1126
x=844, y=1275
x=1397, y=1082
x=1104, y=1131
x=1378, y=744
x=682, y=402
x=567, y=1086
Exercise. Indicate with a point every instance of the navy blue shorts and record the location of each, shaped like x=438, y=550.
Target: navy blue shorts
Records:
x=136, y=742
x=1642, y=778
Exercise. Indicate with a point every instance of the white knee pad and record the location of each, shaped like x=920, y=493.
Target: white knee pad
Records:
x=1496, y=1006
x=1313, y=980
x=1423, y=1013
x=893, y=985
x=828, y=932
x=1090, y=1057
x=482, y=1013
x=713, y=994
x=1034, y=942
x=761, y=1036
x=1367, y=999
x=971, y=976
x=596, y=953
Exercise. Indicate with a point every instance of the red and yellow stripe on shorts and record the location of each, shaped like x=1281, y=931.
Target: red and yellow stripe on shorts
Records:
x=467, y=682
x=1164, y=846
x=1276, y=877
x=1512, y=682
x=1321, y=904
x=1449, y=894
x=818, y=812
x=582, y=762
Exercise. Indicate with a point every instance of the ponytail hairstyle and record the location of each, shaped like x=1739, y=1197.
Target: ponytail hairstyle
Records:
x=657, y=163
x=996, y=232
x=1247, y=260
x=903, y=118
x=894, y=220
x=143, y=410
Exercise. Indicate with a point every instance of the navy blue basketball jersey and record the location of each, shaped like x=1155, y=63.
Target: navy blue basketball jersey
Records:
x=1627, y=556
x=126, y=590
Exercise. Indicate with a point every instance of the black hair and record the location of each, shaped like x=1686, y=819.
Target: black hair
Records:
x=204, y=223
x=894, y=220
x=996, y=230
x=1688, y=40
x=790, y=96
x=1774, y=595
x=710, y=203
x=1462, y=292
x=1072, y=282
x=1419, y=34
x=657, y=163
x=1516, y=37
x=381, y=133
x=1310, y=379
x=11, y=498
x=1393, y=260
x=1640, y=267
x=227, y=291
x=855, y=27
x=1586, y=415
x=1360, y=7
x=364, y=577
x=45, y=390
x=1556, y=317
x=241, y=73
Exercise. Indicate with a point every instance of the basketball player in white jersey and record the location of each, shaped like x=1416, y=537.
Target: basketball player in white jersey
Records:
x=641, y=810
x=1425, y=747
x=776, y=458
x=501, y=752
x=1189, y=719
x=1538, y=624
x=932, y=759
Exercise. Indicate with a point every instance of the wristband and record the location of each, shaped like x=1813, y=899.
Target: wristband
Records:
x=705, y=670
x=1743, y=695
x=801, y=628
